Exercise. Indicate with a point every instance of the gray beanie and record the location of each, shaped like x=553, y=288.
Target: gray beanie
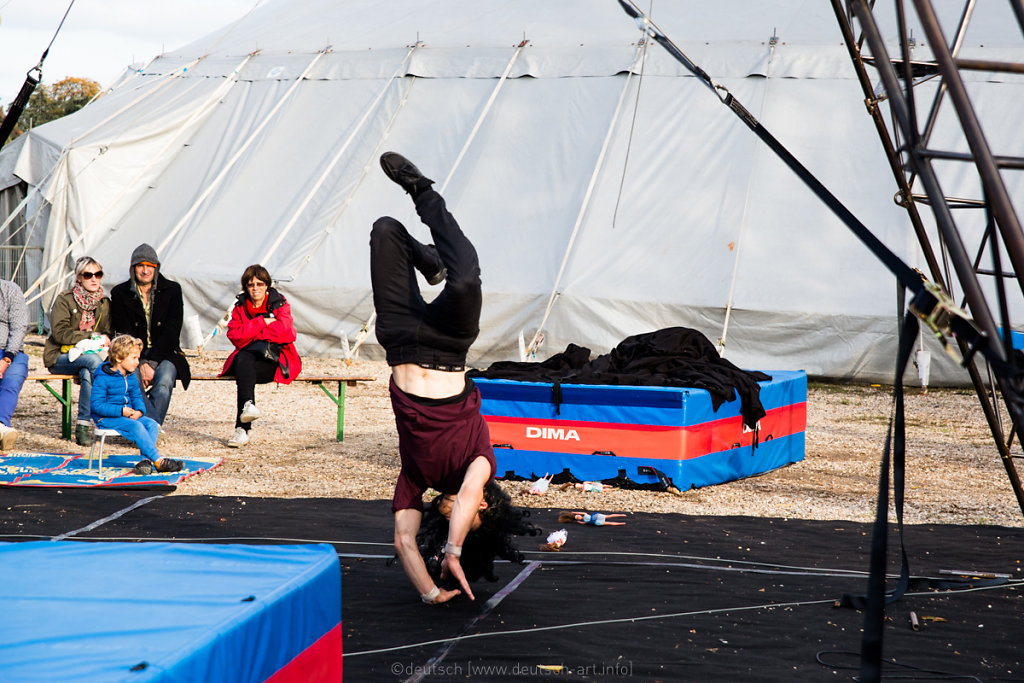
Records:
x=144, y=252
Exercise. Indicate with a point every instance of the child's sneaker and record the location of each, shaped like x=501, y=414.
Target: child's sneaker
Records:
x=239, y=438
x=249, y=412
x=168, y=465
x=143, y=467
x=8, y=435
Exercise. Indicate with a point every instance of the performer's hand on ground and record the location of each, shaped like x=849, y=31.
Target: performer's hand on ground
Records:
x=445, y=596
x=450, y=565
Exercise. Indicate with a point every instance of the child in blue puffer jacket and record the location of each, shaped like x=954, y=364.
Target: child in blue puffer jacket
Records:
x=117, y=404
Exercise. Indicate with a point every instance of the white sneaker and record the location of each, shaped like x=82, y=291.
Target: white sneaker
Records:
x=239, y=438
x=8, y=435
x=249, y=412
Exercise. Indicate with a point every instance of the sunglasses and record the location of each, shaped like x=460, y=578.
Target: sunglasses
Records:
x=88, y=276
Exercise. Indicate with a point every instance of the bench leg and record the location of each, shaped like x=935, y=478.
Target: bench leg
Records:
x=66, y=418
x=339, y=401
x=65, y=402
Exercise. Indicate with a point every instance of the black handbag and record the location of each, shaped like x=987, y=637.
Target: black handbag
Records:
x=265, y=350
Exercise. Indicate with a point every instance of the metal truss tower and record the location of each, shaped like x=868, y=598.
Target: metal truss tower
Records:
x=915, y=95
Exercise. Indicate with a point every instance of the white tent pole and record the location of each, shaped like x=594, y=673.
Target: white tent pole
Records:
x=57, y=262
x=54, y=263
x=361, y=336
x=126, y=82
x=34, y=221
x=374, y=155
x=158, y=85
x=28, y=238
x=337, y=157
x=35, y=188
x=735, y=269
x=483, y=115
x=367, y=326
x=18, y=208
x=197, y=112
x=238, y=155
x=739, y=240
x=43, y=292
x=45, y=270
x=632, y=128
x=531, y=348
x=458, y=159
x=127, y=187
x=398, y=72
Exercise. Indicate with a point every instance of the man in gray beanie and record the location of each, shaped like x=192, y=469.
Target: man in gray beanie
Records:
x=150, y=307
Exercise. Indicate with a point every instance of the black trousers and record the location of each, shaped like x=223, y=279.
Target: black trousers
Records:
x=410, y=329
x=249, y=370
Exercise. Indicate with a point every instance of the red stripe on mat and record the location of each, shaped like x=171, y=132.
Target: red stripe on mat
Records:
x=321, y=661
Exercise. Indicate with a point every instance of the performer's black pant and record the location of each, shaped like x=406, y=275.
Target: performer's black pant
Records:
x=409, y=329
x=249, y=370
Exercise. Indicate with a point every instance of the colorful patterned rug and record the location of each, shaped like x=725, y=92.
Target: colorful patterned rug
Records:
x=72, y=470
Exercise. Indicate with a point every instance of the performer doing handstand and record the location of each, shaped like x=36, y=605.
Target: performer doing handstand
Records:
x=443, y=439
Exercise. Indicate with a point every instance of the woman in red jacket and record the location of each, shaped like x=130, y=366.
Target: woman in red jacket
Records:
x=263, y=332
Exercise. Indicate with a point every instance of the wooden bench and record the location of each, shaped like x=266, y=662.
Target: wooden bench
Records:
x=67, y=419
x=319, y=380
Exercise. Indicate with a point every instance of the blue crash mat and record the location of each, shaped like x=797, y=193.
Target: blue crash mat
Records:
x=146, y=612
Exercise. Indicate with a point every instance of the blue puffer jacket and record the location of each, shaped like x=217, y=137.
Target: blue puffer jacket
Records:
x=112, y=391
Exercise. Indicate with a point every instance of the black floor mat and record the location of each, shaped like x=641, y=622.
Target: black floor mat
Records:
x=664, y=598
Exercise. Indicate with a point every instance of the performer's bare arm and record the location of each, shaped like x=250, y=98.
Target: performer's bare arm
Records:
x=465, y=515
x=407, y=524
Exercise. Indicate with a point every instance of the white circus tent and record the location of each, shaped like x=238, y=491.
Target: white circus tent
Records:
x=607, y=191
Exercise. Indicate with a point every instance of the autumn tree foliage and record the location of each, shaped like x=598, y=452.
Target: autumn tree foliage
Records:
x=50, y=102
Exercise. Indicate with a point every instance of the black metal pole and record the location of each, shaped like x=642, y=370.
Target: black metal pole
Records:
x=985, y=400
x=871, y=102
x=1006, y=218
x=18, y=106
x=944, y=220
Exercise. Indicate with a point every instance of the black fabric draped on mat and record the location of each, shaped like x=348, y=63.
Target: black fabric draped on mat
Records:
x=670, y=357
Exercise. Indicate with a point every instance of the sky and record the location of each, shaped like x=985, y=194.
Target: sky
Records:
x=100, y=37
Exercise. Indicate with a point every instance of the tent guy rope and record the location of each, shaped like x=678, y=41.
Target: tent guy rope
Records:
x=534, y=344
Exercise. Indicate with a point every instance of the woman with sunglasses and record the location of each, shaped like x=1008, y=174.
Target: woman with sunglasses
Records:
x=80, y=313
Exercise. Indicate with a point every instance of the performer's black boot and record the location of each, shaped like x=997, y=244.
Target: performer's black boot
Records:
x=403, y=172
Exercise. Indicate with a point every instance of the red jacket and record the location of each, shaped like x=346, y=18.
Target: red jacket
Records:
x=243, y=329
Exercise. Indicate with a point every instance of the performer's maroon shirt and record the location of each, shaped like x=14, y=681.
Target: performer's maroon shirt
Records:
x=437, y=443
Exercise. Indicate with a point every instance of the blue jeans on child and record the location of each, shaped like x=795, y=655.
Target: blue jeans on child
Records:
x=83, y=366
x=10, y=387
x=142, y=432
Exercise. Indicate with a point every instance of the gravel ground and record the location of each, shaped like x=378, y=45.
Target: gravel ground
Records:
x=954, y=474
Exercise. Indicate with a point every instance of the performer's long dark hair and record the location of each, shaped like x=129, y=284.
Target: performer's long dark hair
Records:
x=499, y=522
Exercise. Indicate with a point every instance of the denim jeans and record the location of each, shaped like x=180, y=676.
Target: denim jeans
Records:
x=83, y=366
x=142, y=432
x=10, y=387
x=158, y=396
